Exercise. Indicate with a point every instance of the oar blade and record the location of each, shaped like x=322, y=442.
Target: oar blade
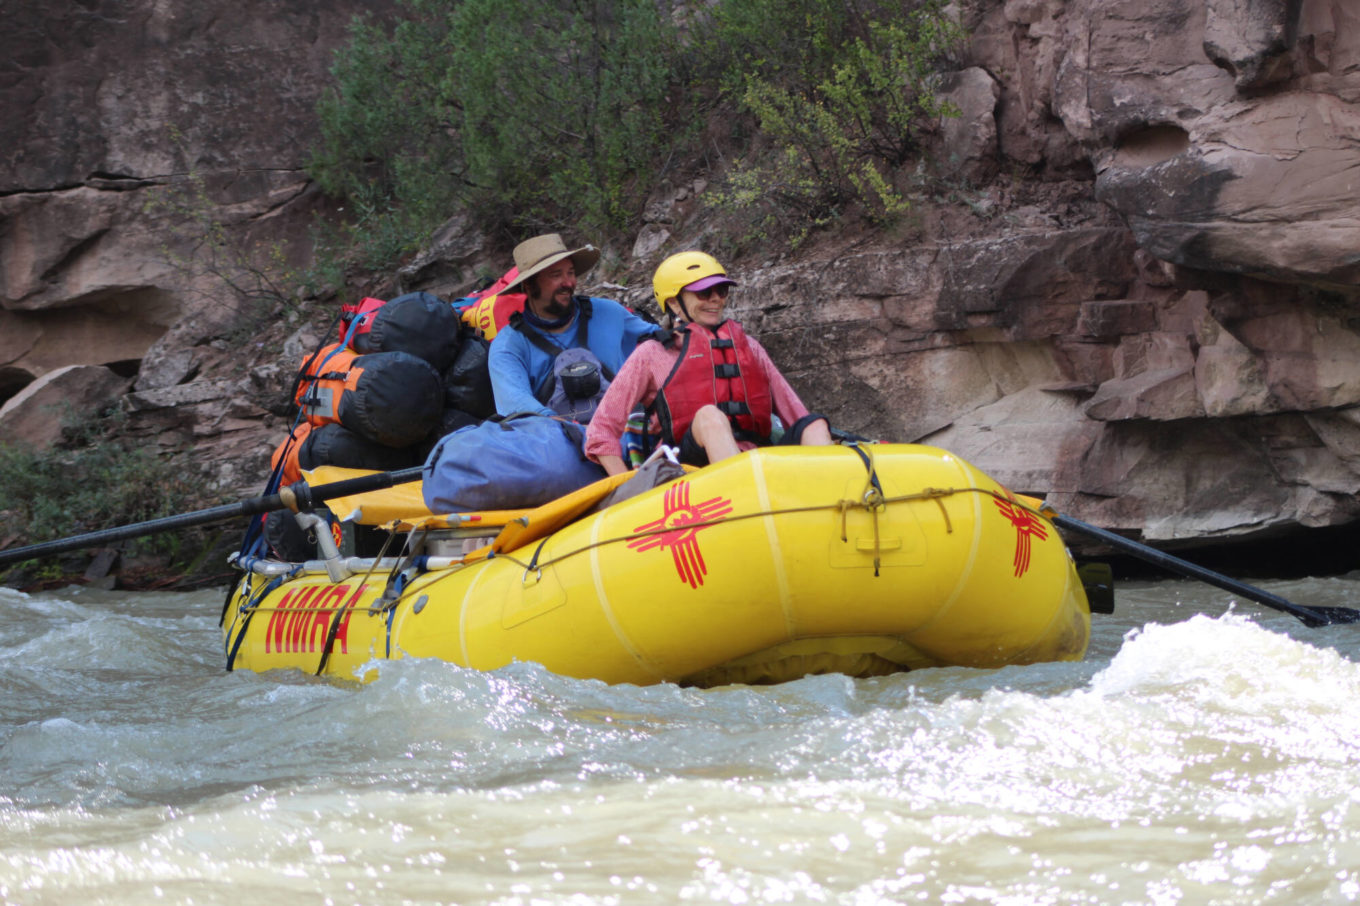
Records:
x=1331, y=616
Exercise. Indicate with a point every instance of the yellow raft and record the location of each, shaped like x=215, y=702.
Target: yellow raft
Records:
x=775, y=564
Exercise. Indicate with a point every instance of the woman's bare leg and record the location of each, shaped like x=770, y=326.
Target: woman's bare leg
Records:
x=713, y=432
x=816, y=434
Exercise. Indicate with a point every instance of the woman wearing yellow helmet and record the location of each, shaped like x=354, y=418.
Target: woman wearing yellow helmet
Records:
x=710, y=390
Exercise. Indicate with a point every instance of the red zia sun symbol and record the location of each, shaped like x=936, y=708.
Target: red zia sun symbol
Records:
x=1027, y=525
x=682, y=523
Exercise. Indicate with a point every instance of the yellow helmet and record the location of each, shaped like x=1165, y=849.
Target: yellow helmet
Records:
x=682, y=269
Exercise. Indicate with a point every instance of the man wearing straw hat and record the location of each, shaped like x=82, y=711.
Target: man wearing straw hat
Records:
x=558, y=357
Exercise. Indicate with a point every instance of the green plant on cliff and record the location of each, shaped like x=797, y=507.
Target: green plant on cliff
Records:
x=91, y=482
x=559, y=114
x=532, y=113
x=842, y=92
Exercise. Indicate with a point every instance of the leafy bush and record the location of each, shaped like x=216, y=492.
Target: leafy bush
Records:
x=536, y=113
x=842, y=89
x=556, y=113
x=386, y=146
x=97, y=484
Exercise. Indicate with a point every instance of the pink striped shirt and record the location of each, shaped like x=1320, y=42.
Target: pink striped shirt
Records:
x=641, y=377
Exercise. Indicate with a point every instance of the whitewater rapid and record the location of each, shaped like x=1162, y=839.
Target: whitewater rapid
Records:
x=1203, y=752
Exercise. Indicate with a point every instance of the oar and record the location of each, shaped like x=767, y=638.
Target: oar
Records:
x=299, y=496
x=1311, y=616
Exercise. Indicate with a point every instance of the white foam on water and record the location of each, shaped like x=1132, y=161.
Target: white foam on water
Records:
x=1207, y=760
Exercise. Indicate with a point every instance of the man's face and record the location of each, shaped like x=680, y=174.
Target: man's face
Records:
x=551, y=289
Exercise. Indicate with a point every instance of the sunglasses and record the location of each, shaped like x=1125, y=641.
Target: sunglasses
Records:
x=703, y=295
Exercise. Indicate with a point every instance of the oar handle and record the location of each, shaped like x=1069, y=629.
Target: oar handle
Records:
x=298, y=496
x=1309, y=615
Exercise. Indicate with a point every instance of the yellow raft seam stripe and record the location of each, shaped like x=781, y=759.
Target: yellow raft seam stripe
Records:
x=780, y=576
x=967, y=571
x=608, y=610
x=462, y=617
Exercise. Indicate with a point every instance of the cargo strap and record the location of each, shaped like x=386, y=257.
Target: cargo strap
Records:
x=872, y=500
x=338, y=617
x=403, y=571
x=248, y=610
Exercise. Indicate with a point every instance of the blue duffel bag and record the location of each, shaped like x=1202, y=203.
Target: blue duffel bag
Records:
x=522, y=461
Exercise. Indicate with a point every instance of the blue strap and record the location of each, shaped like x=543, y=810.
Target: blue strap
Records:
x=249, y=609
x=349, y=333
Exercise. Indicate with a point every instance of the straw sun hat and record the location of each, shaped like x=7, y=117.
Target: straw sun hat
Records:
x=542, y=252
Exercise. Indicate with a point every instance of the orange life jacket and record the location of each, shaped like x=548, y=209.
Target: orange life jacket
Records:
x=285, y=456
x=325, y=378
x=392, y=398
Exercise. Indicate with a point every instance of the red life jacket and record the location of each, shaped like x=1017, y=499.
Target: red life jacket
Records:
x=716, y=367
x=490, y=310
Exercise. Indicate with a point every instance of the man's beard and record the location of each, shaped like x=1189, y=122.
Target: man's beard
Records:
x=557, y=306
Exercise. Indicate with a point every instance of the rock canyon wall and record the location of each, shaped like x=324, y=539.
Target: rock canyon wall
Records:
x=1189, y=367
x=1133, y=286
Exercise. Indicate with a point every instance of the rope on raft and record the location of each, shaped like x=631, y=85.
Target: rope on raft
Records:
x=871, y=502
x=841, y=506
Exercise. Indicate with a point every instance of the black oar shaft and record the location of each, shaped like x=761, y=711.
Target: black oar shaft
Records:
x=308, y=496
x=138, y=529
x=1311, y=616
x=299, y=494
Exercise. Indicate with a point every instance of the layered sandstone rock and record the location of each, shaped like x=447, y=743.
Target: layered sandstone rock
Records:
x=36, y=415
x=1145, y=308
x=1213, y=386
x=1189, y=370
x=152, y=167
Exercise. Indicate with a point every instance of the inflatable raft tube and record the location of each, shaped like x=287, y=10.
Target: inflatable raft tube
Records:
x=775, y=564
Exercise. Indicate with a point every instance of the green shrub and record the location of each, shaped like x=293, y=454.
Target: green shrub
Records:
x=553, y=114
x=385, y=147
x=96, y=483
x=535, y=113
x=841, y=89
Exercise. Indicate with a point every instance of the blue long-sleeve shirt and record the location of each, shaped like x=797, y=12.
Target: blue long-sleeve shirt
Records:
x=519, y=368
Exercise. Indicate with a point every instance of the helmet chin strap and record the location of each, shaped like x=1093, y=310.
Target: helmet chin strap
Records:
x=684, y=310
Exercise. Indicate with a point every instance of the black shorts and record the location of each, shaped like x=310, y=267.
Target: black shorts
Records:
x=693, y=454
